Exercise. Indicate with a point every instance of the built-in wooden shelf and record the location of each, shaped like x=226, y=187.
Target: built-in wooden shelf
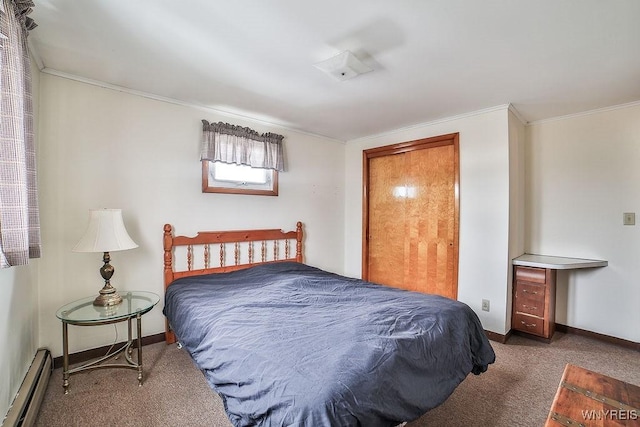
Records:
x=557, y=262
x=534, y=291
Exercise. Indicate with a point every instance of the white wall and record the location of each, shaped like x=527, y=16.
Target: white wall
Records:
x=18, y=328
x=484, y=207
x=582, y=174
x=517, y=137
x=106, y=148
x=18, y=312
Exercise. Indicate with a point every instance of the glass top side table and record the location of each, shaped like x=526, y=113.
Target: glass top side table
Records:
x=83, y=313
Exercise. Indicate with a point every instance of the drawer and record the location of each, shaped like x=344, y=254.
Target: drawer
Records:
x=530, y=291
x=531, y=324
x=529, y=304
x=531, y=274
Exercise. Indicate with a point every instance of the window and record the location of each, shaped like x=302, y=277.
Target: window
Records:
x=240, y=174
x=220, y=177
x=239, y=160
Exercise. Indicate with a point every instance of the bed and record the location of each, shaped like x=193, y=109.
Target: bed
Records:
x=287, y=344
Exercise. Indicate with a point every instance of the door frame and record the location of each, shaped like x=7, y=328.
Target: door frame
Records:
x=404, y=147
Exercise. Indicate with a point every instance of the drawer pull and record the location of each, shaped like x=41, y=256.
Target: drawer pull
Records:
x=529, y=307
x=530, y=292
x=528, y=325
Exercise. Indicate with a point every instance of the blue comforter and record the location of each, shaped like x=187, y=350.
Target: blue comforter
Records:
x=286, y=344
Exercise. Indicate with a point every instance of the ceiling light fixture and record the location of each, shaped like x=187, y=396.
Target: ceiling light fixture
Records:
x=343, y=66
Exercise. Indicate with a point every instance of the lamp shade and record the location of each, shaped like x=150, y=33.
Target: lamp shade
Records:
x=105, y=233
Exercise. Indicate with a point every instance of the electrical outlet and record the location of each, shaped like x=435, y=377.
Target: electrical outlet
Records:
x=629, y=218
x=485, y=305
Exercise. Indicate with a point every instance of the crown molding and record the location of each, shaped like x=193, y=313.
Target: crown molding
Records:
x=585, y=113
x=35, y=55
x=433, y=122
x=517, y=114
x=173, y=101
x=510, y=107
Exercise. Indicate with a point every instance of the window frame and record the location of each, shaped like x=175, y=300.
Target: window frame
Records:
x=212, y=186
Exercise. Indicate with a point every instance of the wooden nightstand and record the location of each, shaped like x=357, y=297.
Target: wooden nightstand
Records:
x=83, y=313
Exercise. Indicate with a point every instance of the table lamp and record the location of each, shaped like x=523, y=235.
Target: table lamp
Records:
x=105, y=233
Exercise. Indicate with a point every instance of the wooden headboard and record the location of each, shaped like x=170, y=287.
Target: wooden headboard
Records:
x=225, y=251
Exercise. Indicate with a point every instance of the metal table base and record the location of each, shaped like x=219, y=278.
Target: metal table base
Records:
x=98, y=364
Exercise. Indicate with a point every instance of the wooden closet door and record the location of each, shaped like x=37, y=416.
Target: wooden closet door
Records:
x=386, y=245
x=429, y=223
x=411, y=216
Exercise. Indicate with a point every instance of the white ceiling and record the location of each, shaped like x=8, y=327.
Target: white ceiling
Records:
x=431, y=58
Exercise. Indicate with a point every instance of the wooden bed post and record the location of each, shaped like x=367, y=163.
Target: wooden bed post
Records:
x=169, y=336
x=299, y=241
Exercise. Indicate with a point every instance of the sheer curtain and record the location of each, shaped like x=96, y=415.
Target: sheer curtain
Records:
x=222, y=142
x=19, y=215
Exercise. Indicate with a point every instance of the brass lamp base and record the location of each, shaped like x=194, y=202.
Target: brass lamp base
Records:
x=108, y=295
x=107, y=299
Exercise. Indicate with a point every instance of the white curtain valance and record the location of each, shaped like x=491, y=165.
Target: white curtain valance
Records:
x=222, y=142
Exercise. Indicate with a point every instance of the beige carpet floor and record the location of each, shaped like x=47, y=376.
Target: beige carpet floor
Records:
x=516, y=391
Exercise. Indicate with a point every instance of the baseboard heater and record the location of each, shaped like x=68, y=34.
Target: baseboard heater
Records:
x=25, y=407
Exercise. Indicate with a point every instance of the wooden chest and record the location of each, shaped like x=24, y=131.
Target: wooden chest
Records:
x=588, y=399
